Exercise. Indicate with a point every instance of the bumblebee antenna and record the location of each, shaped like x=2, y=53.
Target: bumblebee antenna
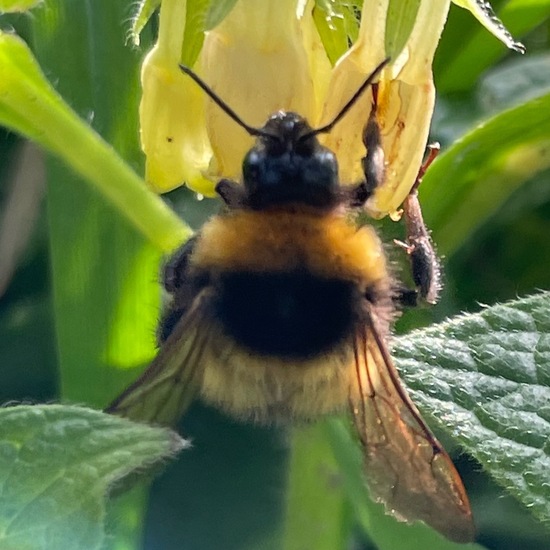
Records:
x=258, y=131
x=223, y=105
x=328, y=127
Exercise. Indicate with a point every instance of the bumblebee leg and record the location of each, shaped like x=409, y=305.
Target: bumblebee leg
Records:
x=425, y=265
x=403, y=296
x=373, y=162
x=175, y=269
x=181, y=287
x=231, y=192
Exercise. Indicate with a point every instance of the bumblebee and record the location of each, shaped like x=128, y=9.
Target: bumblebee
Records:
x=280, y=310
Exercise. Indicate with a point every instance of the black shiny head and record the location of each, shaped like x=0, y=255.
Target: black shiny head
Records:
x=288, y=165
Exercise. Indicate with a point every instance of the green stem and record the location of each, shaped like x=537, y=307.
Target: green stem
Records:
x=29, y=105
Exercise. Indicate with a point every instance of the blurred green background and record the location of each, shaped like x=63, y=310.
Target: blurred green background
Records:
x=229, y=490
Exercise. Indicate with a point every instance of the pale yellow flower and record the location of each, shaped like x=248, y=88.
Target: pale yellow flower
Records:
x=173, y=130
x=266, y=55
x=406, y=97
x=258, y=61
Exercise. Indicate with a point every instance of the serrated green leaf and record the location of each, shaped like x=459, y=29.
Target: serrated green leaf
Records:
x=485, y=167
x=56, y=465
x=483, y=12
x=145, y=10
x=467, y=49
x=485, y=380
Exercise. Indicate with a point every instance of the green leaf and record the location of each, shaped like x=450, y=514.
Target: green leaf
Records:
x=217, y=12
x=57, y=463
x=467, y=49
x=514, y=82
x=145, y=10
x=483, y=12
x=29, y=105
x=331, y=26
x=9, y=6
x=484, y=379
x=473, y=178
x=196, y=23
x=400, y=20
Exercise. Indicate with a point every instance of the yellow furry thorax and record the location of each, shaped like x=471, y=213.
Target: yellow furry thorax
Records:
x=328, y=244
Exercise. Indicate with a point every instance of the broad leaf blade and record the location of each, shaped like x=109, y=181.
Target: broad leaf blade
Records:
x=485, y=380
x=56, y=465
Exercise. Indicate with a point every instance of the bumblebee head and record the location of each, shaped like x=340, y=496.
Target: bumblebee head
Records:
x=289, y=165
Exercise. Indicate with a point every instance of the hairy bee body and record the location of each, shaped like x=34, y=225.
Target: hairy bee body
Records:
x=280, y=309
x=288, y=289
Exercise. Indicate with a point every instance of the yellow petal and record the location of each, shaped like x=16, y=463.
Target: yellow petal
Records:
x=318, y=61
x=173, y=133
x=257, y=62
x=406, y=97
x=348, y=74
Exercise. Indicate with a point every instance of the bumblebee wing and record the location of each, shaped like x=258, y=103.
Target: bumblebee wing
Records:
x=406, y=467
x=168, y=386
